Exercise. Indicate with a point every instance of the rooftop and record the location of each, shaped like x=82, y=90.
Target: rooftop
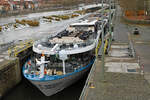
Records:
x=85, y=22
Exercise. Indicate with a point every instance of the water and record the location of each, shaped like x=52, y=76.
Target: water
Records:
x=26, y=91
x=11, y=19
x=37, y=32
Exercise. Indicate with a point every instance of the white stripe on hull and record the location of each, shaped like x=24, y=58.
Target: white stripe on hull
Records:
x=52, y=87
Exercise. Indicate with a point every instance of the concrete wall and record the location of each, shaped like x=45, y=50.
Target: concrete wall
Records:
x=10, y=71
x=27, y=11
x=10, y=75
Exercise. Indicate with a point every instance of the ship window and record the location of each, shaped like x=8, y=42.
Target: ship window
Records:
x=71, y=45
x=64, y=46
x=84, y=44
x=67, y=45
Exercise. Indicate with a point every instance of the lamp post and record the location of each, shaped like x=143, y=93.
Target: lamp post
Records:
x=144, y=10
x=110, y=24
x=102, y=70
x=110, y=39
x=110, y=17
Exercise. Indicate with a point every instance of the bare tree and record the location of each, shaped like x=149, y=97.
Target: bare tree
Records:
x=133, y=5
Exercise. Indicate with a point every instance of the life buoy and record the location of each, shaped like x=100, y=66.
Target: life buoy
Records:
x=29, y=63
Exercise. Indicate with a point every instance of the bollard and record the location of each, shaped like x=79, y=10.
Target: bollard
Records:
x=91, y=85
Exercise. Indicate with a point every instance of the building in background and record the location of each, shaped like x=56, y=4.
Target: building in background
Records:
x=4, y=5
x=9, y=5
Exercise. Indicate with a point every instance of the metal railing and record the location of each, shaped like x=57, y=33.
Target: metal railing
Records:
x=20, y=47
x=87, y=83
x=131, y=47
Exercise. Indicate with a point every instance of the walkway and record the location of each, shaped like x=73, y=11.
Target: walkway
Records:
x=122, y=78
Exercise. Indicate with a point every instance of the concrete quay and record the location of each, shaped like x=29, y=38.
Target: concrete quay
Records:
x=11, y=62
x=123, y=78
x=10, y=73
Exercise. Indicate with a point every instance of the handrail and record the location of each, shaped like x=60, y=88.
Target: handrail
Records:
x=20, y=47
x=87, y=81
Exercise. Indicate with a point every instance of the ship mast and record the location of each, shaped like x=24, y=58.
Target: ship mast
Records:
x=42, y=64
x=63, y=57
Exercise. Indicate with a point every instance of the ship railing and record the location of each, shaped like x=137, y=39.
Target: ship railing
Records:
x=67, y=46
x=80, y=45
x=64, y=46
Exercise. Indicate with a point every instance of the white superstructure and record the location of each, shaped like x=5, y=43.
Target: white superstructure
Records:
x=60, y=60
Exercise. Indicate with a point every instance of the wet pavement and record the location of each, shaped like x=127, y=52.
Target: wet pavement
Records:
x=120, y=29
x=141, y=42
x=142, y=45
x=122, y=79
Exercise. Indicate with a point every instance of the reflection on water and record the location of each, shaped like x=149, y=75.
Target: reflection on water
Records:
x=26, y=91
x=39, y=32
x=11, y=19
